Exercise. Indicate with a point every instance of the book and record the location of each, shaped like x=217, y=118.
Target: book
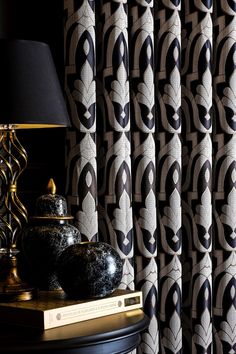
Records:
x=53, y=309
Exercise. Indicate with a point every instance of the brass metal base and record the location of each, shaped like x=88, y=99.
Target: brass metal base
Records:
x=12, y=288
x=12, y=293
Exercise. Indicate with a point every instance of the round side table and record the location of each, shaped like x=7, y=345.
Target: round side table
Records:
x=113, y=334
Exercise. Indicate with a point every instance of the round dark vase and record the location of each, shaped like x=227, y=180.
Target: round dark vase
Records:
x=42, y=244
x=89, y=270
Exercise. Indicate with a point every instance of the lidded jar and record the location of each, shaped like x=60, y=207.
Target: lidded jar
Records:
x=46, y=236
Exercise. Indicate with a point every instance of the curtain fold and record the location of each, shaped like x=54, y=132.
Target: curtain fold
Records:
x=224, y=216
x=151, y=157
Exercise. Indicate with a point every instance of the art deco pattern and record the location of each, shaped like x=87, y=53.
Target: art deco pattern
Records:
x=151, y=160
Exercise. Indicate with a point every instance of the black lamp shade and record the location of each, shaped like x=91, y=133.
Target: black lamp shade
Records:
x=30, y=92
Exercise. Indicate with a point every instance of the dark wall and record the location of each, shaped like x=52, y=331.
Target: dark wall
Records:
x=40, y=20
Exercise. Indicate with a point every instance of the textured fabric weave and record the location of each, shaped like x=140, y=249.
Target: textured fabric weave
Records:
x=151, y=157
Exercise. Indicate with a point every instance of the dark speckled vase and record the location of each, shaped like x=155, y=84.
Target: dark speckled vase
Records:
x=89, y=270
x=43, y=240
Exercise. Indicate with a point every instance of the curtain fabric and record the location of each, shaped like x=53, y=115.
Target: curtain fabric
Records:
x=151, y=157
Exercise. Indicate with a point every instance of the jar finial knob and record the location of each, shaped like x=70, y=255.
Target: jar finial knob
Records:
x=51, y=186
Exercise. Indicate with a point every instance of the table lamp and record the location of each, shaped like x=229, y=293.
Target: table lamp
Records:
x=30, y=97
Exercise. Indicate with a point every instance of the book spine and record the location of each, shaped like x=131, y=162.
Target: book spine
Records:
x=72, y=314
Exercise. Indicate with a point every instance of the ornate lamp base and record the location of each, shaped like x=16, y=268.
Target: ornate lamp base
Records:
x=11, y=286
x=13, y=215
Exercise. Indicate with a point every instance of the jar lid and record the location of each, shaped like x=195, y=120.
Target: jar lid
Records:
x=51, y=205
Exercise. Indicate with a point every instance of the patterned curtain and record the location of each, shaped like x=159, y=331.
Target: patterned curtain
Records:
x=151, y=157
